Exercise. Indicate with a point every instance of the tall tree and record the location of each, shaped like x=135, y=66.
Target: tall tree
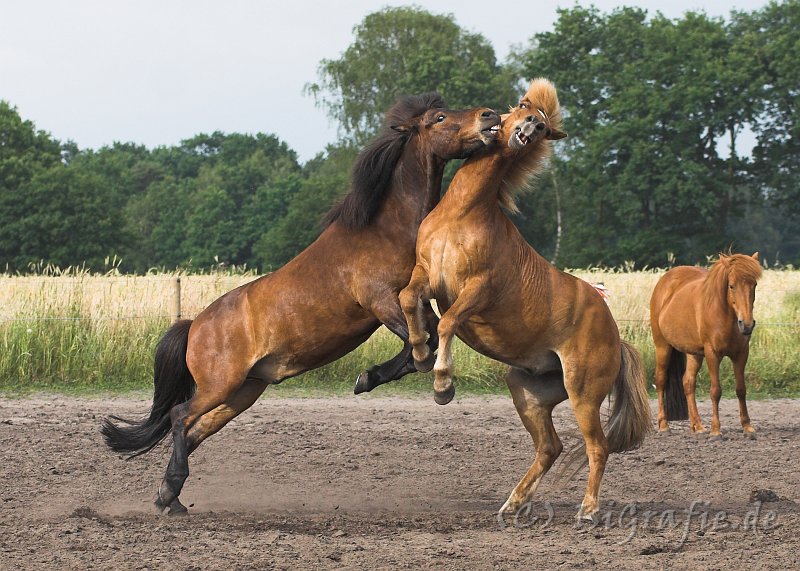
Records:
x=401, y=51
x=648, y=101
x=769, y=43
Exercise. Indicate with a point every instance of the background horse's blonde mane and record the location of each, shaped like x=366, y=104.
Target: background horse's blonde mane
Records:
x=542, y=97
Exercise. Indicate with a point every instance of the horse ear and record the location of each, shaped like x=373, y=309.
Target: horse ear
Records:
x=555, y=135
x=401, y=128
x=755, y=256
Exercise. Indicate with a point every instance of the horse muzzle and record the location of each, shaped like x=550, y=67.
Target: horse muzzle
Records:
x=746, y=329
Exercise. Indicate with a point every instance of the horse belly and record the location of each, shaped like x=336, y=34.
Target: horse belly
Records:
x=501, y=344
x=678, y=329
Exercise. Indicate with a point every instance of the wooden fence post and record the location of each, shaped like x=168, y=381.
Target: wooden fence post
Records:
x=176, y=300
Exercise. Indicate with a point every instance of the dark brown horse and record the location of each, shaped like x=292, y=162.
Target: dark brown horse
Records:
x=696, y=313
x=507, y=302
x=318, y=307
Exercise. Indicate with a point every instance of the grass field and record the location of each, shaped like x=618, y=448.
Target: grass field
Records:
x=83, y=333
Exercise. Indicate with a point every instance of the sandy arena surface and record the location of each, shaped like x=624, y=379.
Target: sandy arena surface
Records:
x=386, y=483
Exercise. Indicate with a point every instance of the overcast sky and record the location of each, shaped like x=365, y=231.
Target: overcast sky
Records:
x=158, y=71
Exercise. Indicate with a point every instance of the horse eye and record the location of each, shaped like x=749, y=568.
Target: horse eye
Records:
x=523, y=105
x=440, y=118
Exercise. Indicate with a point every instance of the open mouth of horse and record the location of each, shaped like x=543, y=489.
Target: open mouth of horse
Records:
x=492, y=130
x=520, y=138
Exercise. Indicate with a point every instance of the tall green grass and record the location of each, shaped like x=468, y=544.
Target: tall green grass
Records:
x=82, y=333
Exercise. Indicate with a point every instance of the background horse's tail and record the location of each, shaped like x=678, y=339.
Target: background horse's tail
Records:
x=173, y=384
x=675, y=404
x=630, y=419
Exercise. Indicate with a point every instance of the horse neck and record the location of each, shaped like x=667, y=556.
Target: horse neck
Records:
x=414, y=191
x=477, y=183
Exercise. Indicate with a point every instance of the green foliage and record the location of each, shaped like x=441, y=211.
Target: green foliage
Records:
x=653, y=171
x=325, y=179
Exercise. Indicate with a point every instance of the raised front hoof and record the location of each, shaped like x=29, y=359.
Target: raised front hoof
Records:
x=445, y=396
x=426, y=364
x=363, y=384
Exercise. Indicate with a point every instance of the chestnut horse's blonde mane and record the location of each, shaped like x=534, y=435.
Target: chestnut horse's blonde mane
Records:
x=742, y=267
x=542, y=97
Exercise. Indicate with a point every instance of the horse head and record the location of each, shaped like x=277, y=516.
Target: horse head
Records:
x=525, y=132
x=743, y=274
x=453, y=134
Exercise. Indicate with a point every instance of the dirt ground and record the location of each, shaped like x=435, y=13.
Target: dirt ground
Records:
x=385, y=483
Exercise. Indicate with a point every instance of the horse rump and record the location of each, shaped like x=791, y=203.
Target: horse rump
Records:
x=675, y=404
x=173, y=384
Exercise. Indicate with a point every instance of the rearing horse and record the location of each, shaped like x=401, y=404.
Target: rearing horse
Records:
x=319, y=306
x=696, y=313
x=507, y=302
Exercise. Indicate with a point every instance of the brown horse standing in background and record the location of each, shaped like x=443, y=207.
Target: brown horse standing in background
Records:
x=696, y=313
x=318, y=307
x=507, y=302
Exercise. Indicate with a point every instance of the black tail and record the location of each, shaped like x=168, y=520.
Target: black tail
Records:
x=173, y=384
x=674, y=398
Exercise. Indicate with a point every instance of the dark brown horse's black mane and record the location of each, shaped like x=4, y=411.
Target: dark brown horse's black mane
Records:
x=372, y=172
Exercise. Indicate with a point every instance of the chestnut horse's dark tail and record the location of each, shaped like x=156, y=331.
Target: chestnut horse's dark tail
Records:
x=173, y=385
x=675, y=404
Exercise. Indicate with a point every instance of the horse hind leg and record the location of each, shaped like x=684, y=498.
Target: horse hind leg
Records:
x=534, y=398
x=587, y=390
x=693, y=364
x=184, y=416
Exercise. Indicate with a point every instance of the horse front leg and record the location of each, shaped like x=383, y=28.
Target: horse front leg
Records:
x=741, y=393
x=412, y=301
x=401, y=364
x=472, y=299
x=387, y=311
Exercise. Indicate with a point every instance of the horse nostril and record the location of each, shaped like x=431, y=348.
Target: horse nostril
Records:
x=488, y=113
x=539, y=126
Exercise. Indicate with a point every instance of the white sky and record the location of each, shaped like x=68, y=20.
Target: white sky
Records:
x=158, y=71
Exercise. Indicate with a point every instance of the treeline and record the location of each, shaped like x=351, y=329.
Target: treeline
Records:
x=655, y=170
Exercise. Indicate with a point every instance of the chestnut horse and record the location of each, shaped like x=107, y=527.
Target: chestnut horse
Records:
x=506, y=301
x=696, y=313
x=319, y=306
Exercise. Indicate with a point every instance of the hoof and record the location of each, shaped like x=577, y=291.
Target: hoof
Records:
x=715, y=437
x=445, y=396
x=158, y=505
x=426, y=364
x=176, y=508
x=701, y=430
x=583, y=517
x=664, y=429
x=362, y=384
x=750, y=435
